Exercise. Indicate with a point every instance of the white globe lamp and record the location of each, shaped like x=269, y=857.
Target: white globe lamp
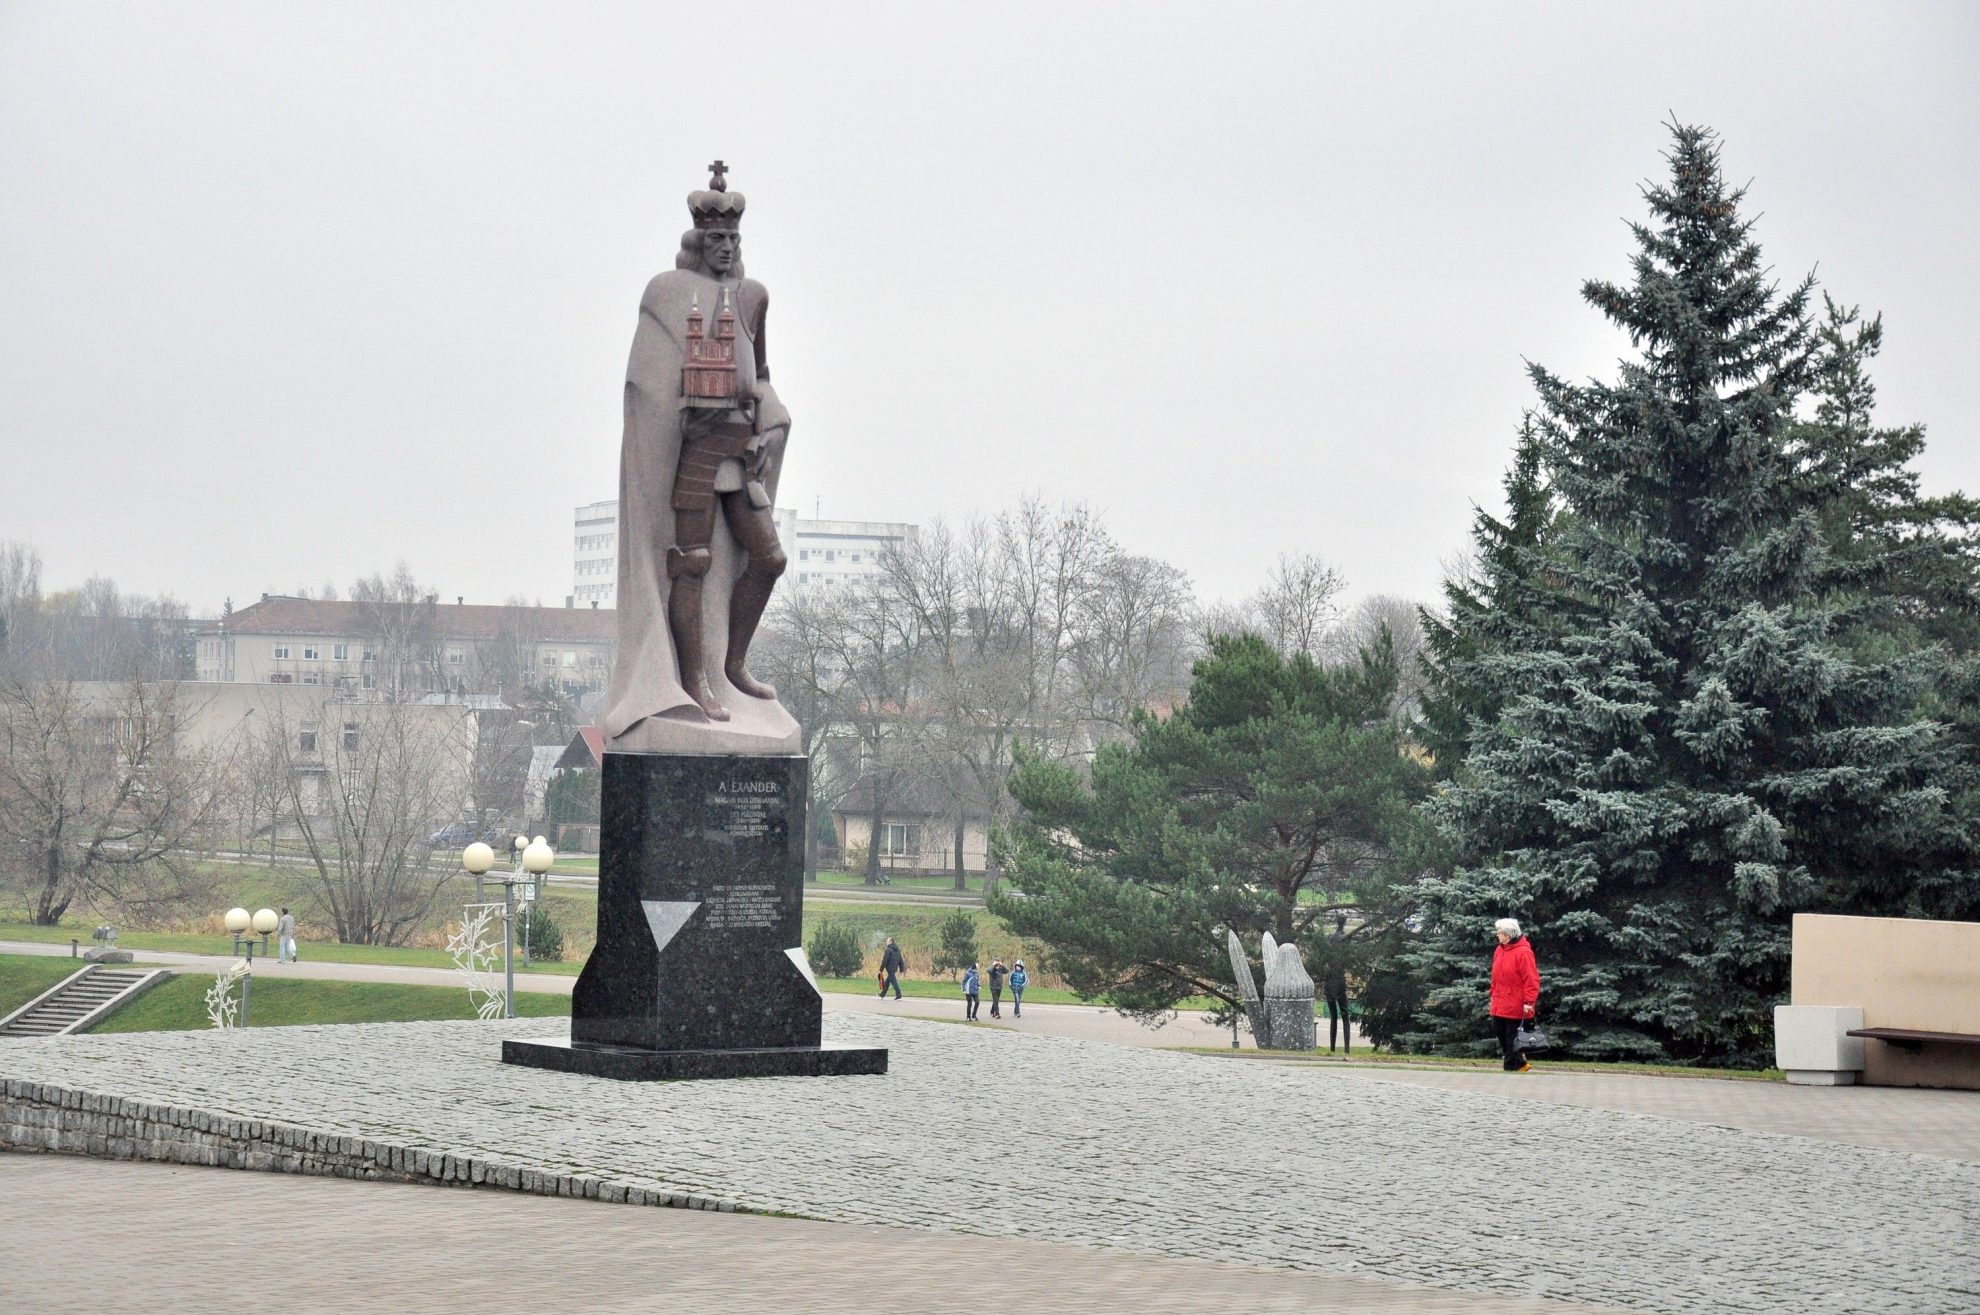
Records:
x=477, y=858
x=237, y=920
x=264, y=921
x=538, y=857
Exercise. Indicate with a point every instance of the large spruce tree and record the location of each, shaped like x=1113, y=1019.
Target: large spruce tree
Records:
x=1670, y=749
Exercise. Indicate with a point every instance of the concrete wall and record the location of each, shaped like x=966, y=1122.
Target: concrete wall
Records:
x=1902, y=972
x=938, y=843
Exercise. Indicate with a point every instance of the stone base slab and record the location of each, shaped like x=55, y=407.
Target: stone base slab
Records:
x=636, y=1064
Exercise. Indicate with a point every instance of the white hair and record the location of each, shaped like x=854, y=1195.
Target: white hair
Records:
x=1510, y=926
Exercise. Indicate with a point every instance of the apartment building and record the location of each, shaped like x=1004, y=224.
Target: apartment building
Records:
x=405, y=651
x=825, y=555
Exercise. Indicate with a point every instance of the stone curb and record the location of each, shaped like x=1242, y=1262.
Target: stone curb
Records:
x=38, y=1117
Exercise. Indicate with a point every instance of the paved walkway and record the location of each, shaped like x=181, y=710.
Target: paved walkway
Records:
x=982, y=1131
x=1944, y=1123
x=317, y=1244
x=1085, y=1022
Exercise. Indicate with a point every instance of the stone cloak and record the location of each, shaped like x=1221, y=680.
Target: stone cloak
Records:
x=646, y=709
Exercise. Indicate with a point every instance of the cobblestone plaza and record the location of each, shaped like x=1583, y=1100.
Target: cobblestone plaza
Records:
x=988, y=1132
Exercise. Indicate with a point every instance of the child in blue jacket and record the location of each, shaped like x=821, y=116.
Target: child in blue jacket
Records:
x=972, y=986
x=1019, y=980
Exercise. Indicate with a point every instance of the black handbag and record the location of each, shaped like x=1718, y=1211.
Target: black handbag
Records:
x=1531, y=1038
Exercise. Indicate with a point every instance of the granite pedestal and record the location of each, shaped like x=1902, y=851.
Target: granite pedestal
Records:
x=699, y=970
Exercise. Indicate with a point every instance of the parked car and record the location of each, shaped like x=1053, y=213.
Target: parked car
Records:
x=466, y=833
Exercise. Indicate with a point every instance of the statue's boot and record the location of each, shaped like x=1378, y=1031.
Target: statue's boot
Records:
x=684, y=619
x=746, y=604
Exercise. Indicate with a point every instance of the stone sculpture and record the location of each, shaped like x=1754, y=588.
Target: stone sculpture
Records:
x=1283, y=1018
x=698, y=970
x=698, y=466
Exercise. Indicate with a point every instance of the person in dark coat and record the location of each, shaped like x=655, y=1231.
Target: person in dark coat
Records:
x=1335, y=987
x=997, y=975
x=1515, y=991
x=892, y=965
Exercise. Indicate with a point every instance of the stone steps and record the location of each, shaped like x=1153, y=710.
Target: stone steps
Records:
x=79, y=1000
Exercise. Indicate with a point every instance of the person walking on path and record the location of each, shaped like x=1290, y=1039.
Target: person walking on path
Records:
x=997, y=975
x=1515, y=991
x=892, y=965
x=1335, y=984
x=1019, y=980
x=285, y=938
x=972, y=987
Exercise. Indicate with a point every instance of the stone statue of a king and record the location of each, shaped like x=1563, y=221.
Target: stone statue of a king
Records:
x=698, y=551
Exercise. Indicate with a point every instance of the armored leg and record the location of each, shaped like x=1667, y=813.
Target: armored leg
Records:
x=687, y=567
x=765, y=561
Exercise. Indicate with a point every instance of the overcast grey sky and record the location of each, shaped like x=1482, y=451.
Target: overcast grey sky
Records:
x=291, y=292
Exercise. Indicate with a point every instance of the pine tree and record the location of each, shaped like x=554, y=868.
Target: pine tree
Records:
x=1273, y=799
x=1678, y=752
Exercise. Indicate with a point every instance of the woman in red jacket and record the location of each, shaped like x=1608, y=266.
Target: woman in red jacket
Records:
x=1515, y=991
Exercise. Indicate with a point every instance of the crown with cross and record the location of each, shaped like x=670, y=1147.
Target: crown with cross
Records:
x=717, y=207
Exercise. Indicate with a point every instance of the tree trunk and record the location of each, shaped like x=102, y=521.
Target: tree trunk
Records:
x=876, y=832
x=962, y=872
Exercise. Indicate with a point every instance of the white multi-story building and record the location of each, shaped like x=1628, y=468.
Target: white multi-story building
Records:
x=595, y=559
x=824, y=555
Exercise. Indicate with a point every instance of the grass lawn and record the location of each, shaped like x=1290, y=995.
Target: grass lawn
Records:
x=900, y=883
x=24, y=976
x=179, y=1005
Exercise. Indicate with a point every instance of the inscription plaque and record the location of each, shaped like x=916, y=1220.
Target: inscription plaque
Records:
x=698, y=970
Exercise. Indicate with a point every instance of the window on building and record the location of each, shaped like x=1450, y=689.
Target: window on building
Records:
x=855, y=558
x=570, y=658
x=368, y=681
x=901, y=840
x=804, y=554
x=549, y=659
x=281, y=678
x=281, y=652
x=350, y=737
x=370, y=653
x=306, y=739
x=340, y=652
x=455, y=657
x=352, y=780
x=831, y=555
x=311, y=653
x=312, y=678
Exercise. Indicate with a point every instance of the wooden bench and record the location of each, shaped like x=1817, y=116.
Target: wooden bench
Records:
x=1913, y=1041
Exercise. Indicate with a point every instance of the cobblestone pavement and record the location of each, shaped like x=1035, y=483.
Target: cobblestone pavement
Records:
x=316, y=1244
x=991, y=1132
x=1897, y=1118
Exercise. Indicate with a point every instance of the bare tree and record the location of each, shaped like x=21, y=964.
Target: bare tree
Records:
x=97, y=795
x=800, y=651
x=1296, y=605
x=1132, y=644
x=1362, y=625
x=365, y=784
x=399, y=621
x=865, y=636
x=20, y=597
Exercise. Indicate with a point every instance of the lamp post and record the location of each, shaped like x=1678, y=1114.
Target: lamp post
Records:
x=536, y=859
x=242, y=923
x=245, y=967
